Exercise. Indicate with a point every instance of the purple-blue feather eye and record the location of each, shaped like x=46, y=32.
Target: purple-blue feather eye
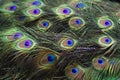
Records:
x=36, y=3
x=18, y=35
x=80, y=5
x=105, y=41
x=14, y=36
x=105, y=23
x=76, y=23
x=66, y=11
x=12, y=8
x=75, y=70
x=33, y=12
x=100, y=63
x=25, y=44
x=9, y=7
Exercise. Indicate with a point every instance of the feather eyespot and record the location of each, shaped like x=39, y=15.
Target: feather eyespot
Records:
x=48, y=59
x=67, y=43
x=14, y=36
x=25, y=44
x=44, y=24
x=32, y=12
x=80, y=5
x=76, y=23
x=105, y=23
x=105, y=41
x=100, y=63
x=74, y=72
x=63, y=11
x=36, y=3
x=10, y=7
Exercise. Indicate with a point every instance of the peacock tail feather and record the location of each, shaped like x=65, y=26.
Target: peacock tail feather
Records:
x=59, y=40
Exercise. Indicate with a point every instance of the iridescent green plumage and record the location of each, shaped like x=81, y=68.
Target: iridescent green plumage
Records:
x=59, y=40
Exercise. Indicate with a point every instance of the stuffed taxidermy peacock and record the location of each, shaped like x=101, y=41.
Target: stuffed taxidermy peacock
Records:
x=59, y=40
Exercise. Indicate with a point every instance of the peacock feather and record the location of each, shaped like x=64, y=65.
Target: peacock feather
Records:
x=59, y=40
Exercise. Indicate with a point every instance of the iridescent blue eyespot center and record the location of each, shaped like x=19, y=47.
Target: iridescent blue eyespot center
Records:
x=45, y=23
x=108, y=23
x=101, y=61
x=80, y=5
x=17, y=35
x=75, y=70
x=36, y=3
x=28, y=43
x=66, y=10
x=70, y=42
x=107, y=40
x=12, y=8
x=78, y=21
x=36, y=11
x=21, y=17
x=51, y=58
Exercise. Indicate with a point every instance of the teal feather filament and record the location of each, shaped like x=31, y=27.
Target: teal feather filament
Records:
x=114, y=67
x=118, y=17
x=118, y=14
